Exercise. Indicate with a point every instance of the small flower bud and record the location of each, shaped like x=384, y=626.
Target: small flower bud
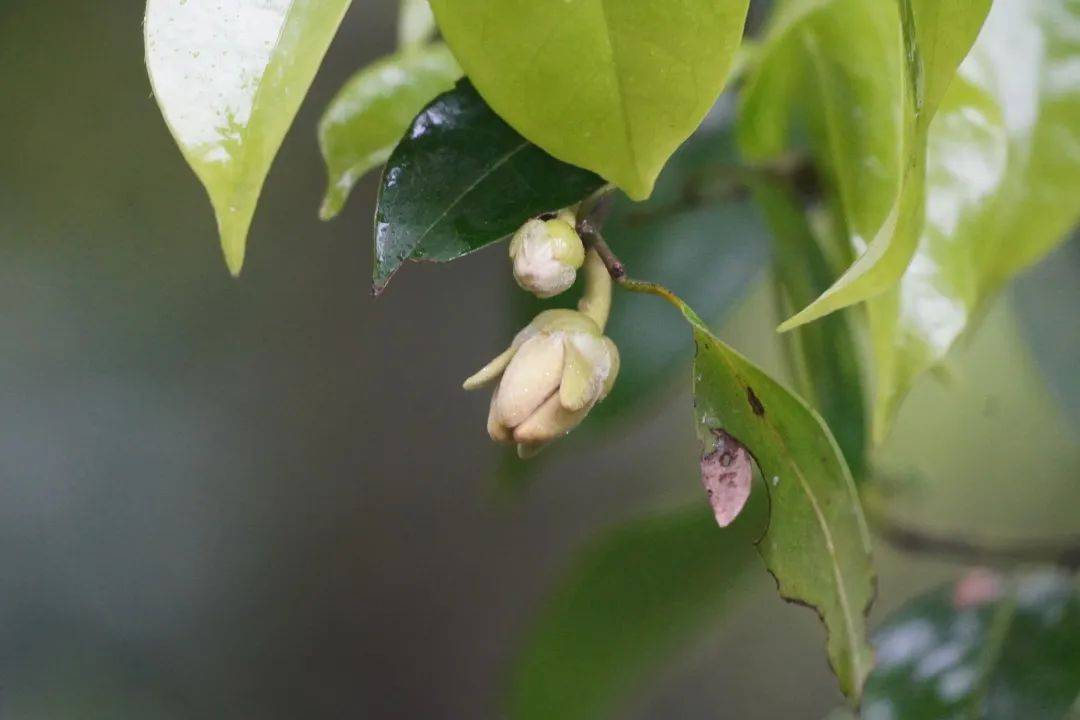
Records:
x=552, y=375
x=546, y=255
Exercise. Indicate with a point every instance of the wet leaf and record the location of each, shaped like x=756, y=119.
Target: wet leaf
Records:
x=817, y=545
x=636, y=596
x=1003, y=188
x=856, y=76
x=365, y=121
x=613, y=87
x=229, y=78
x=462, y=179
x=979, y=650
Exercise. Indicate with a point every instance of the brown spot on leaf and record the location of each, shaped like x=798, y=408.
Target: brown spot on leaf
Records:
x=755, y=404
x=727, y=474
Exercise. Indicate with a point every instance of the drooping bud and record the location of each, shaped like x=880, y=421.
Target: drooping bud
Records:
x=546, y=255
x=555, y=371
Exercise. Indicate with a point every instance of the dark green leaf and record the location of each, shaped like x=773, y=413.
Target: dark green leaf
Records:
x=462, y=179
x=367, y=118
x=986, y=648
x=636, y=596
x=817, y=545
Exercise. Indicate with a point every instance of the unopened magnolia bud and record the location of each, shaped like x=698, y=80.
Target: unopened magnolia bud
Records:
x=552, y=375
x=546, y=255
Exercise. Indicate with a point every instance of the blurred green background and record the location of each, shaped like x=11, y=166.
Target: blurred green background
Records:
x=270, y=498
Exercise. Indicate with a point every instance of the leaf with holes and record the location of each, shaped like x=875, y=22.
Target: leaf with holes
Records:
x=614, y=87
x=461, y=179
x=817, y=545
x=229, y=78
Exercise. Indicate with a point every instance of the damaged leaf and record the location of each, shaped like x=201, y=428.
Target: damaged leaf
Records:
x=817, y=545
x=727, y=474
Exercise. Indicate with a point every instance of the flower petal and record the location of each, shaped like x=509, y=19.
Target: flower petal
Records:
x=532, y=376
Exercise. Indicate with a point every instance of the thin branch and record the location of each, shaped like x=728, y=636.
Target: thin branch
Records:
x=1064, y=553
x=588, y=228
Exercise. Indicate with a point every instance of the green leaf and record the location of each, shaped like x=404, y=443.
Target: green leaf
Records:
x=856, y=75
x=987, y=648
x=817, y=545
x=824, y=356
x=461, y=179
x=367, y=118
x=1003, y=188
x=636, y=596
x=229, y=78
x=614, y=87
x=416, y=24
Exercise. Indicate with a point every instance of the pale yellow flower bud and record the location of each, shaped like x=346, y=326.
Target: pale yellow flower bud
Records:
x=553, y=374
x=546, y=255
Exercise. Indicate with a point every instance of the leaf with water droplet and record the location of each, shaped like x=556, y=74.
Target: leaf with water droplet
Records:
x=987, y=647
x=229, y=78
x=461, y=179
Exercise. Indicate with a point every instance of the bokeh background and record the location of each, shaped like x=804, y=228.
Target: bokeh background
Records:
x=269, y=498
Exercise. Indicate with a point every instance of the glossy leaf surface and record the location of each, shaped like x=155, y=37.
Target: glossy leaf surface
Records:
x=1003, y=187
x=631, y=601
x=1012, y=653
x=461, y=179
x=854, y=76
x=817, y=545
x=614, y=87
x=229, y=78
x=367, y=118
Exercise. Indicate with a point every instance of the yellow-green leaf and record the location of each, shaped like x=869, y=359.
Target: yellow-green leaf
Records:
x=1003, y=188
x=614, y=87
x=229, y=78
x=862, y=79
x=367, y=118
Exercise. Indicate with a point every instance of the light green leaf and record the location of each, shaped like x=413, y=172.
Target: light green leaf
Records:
x=416, y=24
x=367, y=118
x=1003, y=188
x=229, y=78
x=614, y=87
x=817, y=545
x=636, y=596
x=856, y=75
